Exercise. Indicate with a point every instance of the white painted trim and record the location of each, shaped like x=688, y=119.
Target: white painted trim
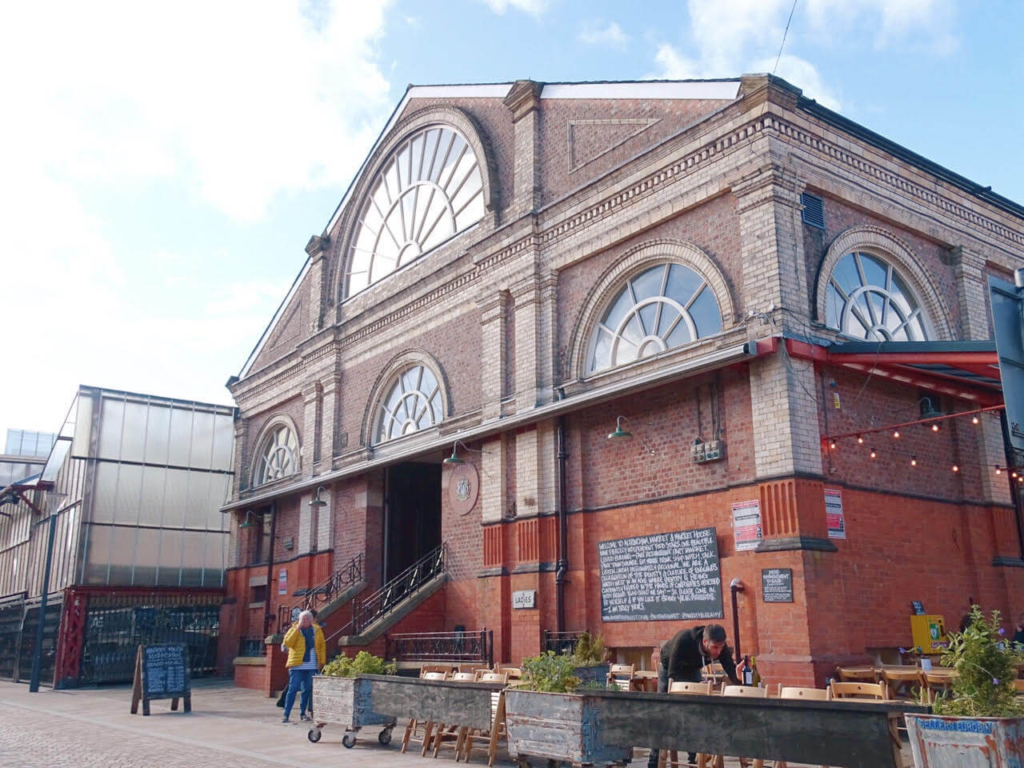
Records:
x=490, y=91
x=717, y=89
x=711, y=361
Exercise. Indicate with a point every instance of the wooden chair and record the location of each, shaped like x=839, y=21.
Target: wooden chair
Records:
x=937, y=683
x=452, y=734
x=806, y=694
x=1019, y=686
x=873, y=691
x=413, y=733
x=857, y=674
x=714, y=672
x=498, y=732
x=514, y=673
x=670, y=758
x=900, y=682
x=621, y=676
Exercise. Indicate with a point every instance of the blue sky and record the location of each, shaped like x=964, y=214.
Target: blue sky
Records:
x=164, y=164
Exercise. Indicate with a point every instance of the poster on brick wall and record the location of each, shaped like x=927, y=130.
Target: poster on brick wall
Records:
x=834, y=513
x=746, y=524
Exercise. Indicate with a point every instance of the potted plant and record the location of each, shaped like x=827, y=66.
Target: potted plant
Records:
x=591, y=659
x=549, y=716
x=982, y=715
x=340, y=697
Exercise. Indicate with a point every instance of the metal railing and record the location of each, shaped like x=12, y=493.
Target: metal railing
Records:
x=562, y=643
x=322, y=594
x=367, y=610
x=252, y=646
x=468, y=647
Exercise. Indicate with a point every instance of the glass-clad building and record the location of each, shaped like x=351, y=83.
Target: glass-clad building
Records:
x=134, y=483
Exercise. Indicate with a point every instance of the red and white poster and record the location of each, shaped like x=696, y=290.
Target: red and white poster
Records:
x=834, y=513
x=282, y=582
x=746, y=524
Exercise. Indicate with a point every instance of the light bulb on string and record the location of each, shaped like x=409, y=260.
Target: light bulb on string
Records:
x=832, y=444
x=873, y=454
x=896, y=434
x=935, y=427
x=860, y=439
x=999, y=470
x=956, y=468
x=974, y=420
x=913, y=461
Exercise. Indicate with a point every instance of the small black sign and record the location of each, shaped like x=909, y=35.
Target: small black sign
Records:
x=664, y=577
x=777, y=585
x=918, y=608
x=161, y=672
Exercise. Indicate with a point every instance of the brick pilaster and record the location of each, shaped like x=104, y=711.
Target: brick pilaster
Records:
x=493, y=358
x=523, y=101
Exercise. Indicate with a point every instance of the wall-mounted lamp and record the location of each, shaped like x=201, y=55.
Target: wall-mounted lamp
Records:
x=317, y=501
x=928, y=410
x=454, y=458
x=625, y=434
x=247, y=522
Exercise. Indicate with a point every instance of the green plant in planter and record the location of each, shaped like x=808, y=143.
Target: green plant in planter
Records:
x=363, y=664
x=986, y=666
x=590, y=651
x=550, y=673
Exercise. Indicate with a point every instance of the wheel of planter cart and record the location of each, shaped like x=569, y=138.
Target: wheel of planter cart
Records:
x=384, y=737
x=524, y=763
x=348, y=740
x=314, y=735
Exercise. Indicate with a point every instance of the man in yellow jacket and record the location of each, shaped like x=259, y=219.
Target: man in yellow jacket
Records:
x=307, y=653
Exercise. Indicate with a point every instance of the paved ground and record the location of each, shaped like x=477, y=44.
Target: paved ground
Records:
x=228, y=728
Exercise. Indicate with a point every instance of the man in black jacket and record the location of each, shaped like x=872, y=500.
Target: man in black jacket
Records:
x=684, y=657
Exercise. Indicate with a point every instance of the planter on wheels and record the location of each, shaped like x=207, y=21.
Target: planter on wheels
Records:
x=559, y=726
x=595, y=674
x=346, y=701
x=966, y=742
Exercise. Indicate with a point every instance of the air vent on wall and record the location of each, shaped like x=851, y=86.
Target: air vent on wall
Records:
x=814, y=210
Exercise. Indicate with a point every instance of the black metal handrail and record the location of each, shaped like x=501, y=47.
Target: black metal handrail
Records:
x=322, y=594
x=367, y=610
x=561, y=643
x=467, y=647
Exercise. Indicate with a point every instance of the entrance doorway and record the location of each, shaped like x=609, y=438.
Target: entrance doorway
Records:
x=412, y=515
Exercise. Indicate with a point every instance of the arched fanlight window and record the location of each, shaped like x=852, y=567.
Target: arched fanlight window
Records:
x=429, y=190
x=278, y=456
x=866, y=298
x=413, y=402
x=661, y=308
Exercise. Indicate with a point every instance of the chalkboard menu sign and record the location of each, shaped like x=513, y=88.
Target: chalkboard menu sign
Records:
x=161, y=672
x=663, y=577
x=777, y=585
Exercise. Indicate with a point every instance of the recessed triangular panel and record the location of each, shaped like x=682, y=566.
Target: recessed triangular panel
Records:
x=286, y=336
x=590, y=139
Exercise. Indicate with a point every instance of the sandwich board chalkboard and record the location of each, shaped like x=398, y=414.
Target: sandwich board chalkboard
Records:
x=662, y=577
x=161, y=672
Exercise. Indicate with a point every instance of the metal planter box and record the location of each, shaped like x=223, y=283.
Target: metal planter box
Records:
x=559, y=726
x=346, y=701
x=594, y=674
x=966, y=742
x=467, y=704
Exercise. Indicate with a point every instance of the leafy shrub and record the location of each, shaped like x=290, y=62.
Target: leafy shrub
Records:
x=363, y=664
x=550, y=673
x=987, y=666
x=590, y=651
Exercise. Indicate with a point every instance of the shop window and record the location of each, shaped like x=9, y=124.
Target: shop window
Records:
x=413, y=403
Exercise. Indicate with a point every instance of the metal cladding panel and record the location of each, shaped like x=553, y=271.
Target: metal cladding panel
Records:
x=560, y=726
x=961, y=742
x=467, y=704
x=1007, y=319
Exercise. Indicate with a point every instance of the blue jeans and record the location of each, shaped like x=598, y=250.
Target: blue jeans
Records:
x=299, y=679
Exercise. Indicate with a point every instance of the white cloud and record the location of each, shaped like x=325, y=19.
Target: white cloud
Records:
x=228, y=103
x=246, y=100
x=732, y=37
x=611, y=35
x=532, y=7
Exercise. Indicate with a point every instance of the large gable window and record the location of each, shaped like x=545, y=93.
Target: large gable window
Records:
x=278, y=456
x=413, y=402
x=429, y=190
x=661, y=308
x=866, y=298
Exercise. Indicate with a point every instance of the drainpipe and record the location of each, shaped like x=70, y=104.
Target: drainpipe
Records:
x=562, y=566
x=270, y=569
x=734, y=587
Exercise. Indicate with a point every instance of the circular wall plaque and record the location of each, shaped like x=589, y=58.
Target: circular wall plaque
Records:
x=463, y=488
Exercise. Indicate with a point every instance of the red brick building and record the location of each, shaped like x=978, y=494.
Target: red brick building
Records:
x=740, y=273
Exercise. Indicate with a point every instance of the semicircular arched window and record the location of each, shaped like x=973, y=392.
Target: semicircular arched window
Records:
x=413, y=402
x=866, y=298
x=663, y=307
x=429, y=190
x=278, y=456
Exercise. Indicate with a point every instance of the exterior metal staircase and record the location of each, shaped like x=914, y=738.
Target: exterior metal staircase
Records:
x=374, y=614
x=327, y=596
